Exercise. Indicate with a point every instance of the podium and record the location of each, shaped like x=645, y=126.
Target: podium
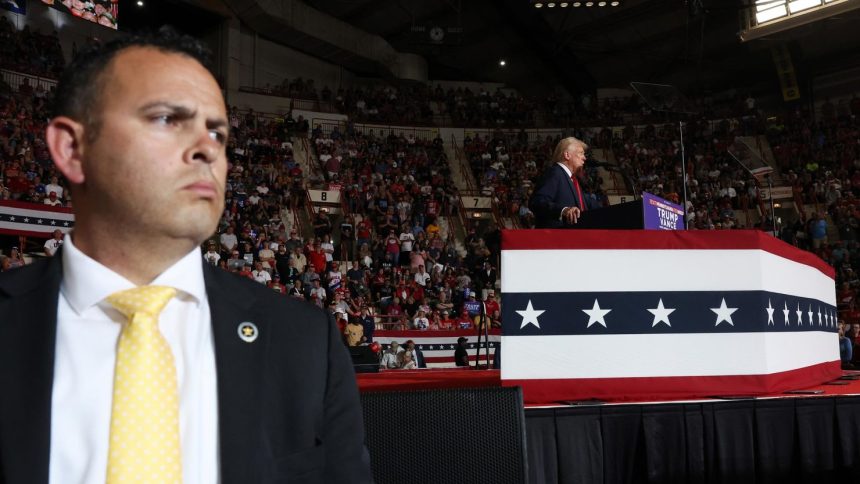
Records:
x=642, y=314
x=649, y=212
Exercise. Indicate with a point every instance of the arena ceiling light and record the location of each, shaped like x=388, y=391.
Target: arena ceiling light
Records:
x=771, y=13
x=801, y=5
x=600, y=3
x=767, y=17
x=767, y=10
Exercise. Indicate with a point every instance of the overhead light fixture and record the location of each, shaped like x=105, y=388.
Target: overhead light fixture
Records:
x=589, y=4
x=538, y=5
x=770, y=14
x=139, y=3
x=577, y=4
x=563, y=4
x=550, y=4
x=614, y=4
x=502, y=62
x=801, y=5
x=601, y=4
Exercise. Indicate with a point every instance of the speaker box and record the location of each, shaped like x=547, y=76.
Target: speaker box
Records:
x=463, y=435
x=363, y=359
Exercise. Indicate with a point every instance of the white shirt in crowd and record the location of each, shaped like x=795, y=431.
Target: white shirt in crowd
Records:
x=88, y=328
x=52, y=244
x=406, y=240
x=262, y=276
x=50, y=187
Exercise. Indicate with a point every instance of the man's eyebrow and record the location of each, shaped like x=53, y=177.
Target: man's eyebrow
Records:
x=183, y=112
x=215, y=123
x=175, y=109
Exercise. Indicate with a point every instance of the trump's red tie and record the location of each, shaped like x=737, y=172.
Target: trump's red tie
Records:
x=578, y=192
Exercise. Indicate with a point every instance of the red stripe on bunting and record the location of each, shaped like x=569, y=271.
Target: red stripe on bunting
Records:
x=673, y=388
x=35, y=206
x=548, y=239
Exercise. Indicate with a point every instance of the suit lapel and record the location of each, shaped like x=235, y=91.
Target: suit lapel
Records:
x=27, y=346
x=564, y=175
x=239, y=366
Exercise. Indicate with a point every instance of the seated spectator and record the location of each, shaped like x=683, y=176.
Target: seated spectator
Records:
x=297, y=290
x=354, y=333
x=368, y=323
x=846, y=348
x=52, y=200
x=421, y=276
x=421, y=322
x=212, y=256
x=316, y=293
x=235, y=263
x=15, y=259
x=54, y=243
x=276, y=284
x=464, y=321
x=260, y=274
x=390, y=358
x=445, y=322
x=245, y=271
x=472, y=306
x=407, y=362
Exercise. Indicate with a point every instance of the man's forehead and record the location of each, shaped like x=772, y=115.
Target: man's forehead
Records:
x=171, y=76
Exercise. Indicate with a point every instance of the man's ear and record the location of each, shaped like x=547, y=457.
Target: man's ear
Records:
x=65, y=138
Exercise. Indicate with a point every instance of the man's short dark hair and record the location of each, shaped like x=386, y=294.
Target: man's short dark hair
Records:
x=81, y=86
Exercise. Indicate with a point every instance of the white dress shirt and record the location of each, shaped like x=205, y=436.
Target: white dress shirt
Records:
x=88, y=329
x=569, y=175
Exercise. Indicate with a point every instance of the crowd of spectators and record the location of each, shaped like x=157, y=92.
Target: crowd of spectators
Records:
x=26, y=171
x=405, y=265
x=30, y=52
x=387, y=257
x=411, y=103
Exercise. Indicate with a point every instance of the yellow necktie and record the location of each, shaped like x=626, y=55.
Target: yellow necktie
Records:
x=144, y=426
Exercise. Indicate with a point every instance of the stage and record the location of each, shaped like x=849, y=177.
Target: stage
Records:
x=812, y=436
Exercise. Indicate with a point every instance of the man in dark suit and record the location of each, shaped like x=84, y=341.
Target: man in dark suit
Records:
x=419, y=355
x=559, y=201
x=264, y=388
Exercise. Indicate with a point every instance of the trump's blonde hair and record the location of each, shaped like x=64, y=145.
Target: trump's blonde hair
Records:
x=563, y=145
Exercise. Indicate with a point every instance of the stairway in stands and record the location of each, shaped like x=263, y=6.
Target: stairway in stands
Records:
x=613, y=182
x=306, y=158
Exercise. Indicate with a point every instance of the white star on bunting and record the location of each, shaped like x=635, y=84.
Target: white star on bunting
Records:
x=785, y=312
x=596, y=315
x=724, y=313
x=530, y=316
x=810, y=313
x=799, y=315
x=770, y=311
x=819, y=315
x=661, y=314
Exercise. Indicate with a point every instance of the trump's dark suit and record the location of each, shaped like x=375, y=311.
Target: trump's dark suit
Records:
x=288, y=406
x=554, y=192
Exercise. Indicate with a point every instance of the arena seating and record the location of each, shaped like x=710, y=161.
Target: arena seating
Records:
x=399, y=193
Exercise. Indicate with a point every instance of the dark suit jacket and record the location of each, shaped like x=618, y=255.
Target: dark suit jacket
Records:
x=554, y=192
x=419, y=358
x=288, y=405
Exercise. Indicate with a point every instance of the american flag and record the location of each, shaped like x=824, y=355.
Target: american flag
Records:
x=34, y=219
x=654, y=314
x=438, y=346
